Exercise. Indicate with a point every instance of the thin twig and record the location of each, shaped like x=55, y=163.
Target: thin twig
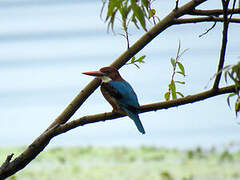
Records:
x=127, y=38
x=150, y=8
x=176, y=6
x=214, y=24
x=233, y=7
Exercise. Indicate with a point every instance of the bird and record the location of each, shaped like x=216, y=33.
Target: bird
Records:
x=119, y=93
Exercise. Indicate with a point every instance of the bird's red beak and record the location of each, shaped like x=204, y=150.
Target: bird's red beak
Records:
x=94, y=73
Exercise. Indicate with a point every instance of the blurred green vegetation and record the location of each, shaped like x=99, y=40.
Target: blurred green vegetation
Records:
x=125, y=163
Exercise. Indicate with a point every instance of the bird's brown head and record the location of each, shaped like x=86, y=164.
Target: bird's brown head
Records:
x=106, y=74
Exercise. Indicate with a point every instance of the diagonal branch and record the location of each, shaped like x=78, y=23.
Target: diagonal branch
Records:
x=76, y=103
x=57, y=130
x=42, y=141
x=9, y=168
x=128, y=54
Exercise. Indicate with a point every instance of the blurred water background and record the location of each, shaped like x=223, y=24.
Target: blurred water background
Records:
x=46, y=44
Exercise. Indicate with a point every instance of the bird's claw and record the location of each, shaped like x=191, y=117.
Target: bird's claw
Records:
x=118, y=111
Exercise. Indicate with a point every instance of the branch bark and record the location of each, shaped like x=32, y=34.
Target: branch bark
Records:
x=224, y=44
x=60, y=124
x=9, y=168
x=213, y=12
x=145, y=108
x=119, y=62
x=204, y=19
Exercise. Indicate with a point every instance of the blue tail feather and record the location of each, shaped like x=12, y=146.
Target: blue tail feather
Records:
x=135, y=118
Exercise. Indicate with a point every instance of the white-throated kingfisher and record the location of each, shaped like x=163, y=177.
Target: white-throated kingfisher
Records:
x=118, y=93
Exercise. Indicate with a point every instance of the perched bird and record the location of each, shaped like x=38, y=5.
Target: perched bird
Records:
x=119, y=94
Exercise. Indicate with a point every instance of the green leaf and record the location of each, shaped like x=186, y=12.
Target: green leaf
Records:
x=228, y=98
x=133, y=59
x=236, y=69
x=112, y=19
x=180, y=94
x=145, y=3
x=173, y=90
x=180, y=82
x=124, y=12
x=180, y=72
x=151, y=13
x=138, y=12
x=226, y=73
x=179, y=48
x=232, y=77
x=134, y=20
x=173, y=61
x=181, y=67
x=167, y=96
x=140, y=60
x=111, y=6
x=136, y=65
x=238, y=3
x=237, y=105
x=185, y=50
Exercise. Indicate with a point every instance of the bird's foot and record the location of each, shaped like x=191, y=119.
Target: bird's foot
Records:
x=119, y=111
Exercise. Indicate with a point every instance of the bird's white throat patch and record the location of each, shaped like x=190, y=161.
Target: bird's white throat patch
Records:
x=105, y=79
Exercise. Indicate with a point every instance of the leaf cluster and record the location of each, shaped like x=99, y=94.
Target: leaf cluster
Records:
x=232, y=72
x=139, y=60
x=178, y=68
x=134, y=11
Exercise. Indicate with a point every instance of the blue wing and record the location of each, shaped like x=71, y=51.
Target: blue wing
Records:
x=128, y=101
x=129, y=97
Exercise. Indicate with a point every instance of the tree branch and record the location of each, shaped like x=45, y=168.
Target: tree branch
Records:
x=76, y=103
x=176, y=6
x=55, y=128
x=8, y=168
x=128, y=54
x=38, y=145
x=204, y=19
x=7, y=161
x=214, y=12
x=224, y=44
x=145, y=108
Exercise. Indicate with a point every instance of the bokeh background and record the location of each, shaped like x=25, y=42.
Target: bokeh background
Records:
x=46, y=44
